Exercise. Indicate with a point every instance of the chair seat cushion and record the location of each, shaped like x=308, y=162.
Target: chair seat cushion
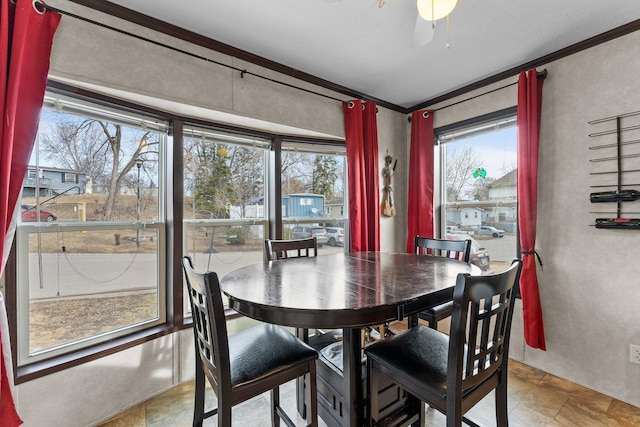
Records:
x=263, y=350
x=418, y=355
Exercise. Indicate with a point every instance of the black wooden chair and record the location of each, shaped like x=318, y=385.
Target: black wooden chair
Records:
x=452, y=373
x=296, y=248
x=281, y=249
x=458, y=249
x=245, y=364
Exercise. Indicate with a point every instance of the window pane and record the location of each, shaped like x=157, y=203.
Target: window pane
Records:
x=480, y=191
x=224, y=248
x=224, y=176
x=82, y=283
x=224, y=205
x=93, y=269
x=313, y=194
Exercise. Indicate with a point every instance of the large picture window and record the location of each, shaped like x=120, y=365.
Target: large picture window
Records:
x=90, y=249
x=104, y=220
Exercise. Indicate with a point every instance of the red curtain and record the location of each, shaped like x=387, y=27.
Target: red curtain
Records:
x=361, y=134
x=420, y=193
x=529, y=108
x=26, y=36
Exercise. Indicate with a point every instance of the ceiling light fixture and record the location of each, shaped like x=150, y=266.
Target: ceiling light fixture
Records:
x=433, y=10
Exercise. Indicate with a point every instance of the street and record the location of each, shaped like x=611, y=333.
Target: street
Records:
x=501, y=249
x=78, y=275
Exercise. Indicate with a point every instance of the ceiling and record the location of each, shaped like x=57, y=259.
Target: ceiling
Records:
x=368, y=49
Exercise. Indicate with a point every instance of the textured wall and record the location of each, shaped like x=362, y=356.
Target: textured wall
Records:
x=87, y=53
x=589, y=286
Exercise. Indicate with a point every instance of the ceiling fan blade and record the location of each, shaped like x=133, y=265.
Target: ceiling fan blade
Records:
x=423, y=32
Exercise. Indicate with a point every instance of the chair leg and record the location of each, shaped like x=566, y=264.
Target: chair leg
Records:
x=224, y=411
x=454, y=412
x=313, y=396
x=198, y=404
x=422, y=407
x=433, y=323
x=502, y=418
x=372, y=392
x=275, y=403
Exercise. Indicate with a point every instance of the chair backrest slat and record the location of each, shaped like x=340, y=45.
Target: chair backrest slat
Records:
x=281, y=249
x=458, y=249
x=480, y=326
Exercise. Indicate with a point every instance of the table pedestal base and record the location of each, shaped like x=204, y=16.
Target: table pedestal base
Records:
x=396, y=407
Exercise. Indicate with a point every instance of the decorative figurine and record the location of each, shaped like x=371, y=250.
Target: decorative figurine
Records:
x=387, y=207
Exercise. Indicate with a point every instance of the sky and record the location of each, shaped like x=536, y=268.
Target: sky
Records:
x=497, y=150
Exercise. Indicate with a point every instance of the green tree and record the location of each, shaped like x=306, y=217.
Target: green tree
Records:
x=214, y=189
x=325, y=174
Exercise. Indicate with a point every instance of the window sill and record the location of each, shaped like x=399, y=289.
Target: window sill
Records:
x=59, y=363
x=43, y=368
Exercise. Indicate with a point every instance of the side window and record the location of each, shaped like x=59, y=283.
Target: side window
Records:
x=478, y=164
x=313, y=180
x=224, y=204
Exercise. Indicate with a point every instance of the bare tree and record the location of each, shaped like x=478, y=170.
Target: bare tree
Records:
x=461, y=162
x=247, y=173
x=480, y=188
x=90, y=145
x=295, y=173
x=76, y=144
x=124, y=160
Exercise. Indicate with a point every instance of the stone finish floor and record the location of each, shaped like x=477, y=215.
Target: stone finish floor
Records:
x=535, y=399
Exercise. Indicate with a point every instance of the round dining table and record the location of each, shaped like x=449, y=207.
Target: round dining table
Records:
x=347, y=291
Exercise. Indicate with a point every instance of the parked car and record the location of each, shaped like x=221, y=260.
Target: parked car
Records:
x=306, y=231
x=336, y=236
x=487, y=230
x=30, y=214
x=452, y=229
x=478, y=256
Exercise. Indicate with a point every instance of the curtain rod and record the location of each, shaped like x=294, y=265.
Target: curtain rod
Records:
x=175, y=49
x=541, y=75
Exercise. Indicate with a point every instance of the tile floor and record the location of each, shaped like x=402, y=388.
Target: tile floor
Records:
x=535, y=399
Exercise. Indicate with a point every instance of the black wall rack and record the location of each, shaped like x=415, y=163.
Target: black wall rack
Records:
x=621, y=193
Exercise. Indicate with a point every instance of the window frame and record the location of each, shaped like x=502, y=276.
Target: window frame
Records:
x=508, y=115
x=173, y=178
x=440, y=159
x=63, y=102
x=206, y=133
